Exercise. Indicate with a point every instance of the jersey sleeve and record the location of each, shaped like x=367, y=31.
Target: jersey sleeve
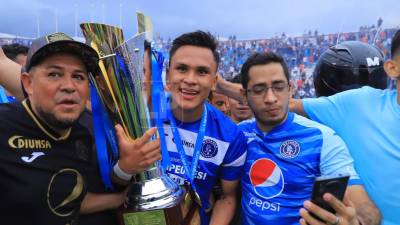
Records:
x=232, y=165
x=335, y=157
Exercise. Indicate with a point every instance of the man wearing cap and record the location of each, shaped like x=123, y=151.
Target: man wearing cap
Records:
x=45, y=154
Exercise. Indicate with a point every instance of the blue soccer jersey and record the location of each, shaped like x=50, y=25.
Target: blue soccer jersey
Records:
x=368, y=120
x=222, y=154
x=281, y=167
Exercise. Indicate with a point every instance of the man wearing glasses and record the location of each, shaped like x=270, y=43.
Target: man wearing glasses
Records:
x=286, y=152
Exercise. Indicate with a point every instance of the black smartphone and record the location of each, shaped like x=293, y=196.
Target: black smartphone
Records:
x=333, y=185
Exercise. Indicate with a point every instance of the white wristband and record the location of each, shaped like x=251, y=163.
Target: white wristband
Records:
x=121, y=174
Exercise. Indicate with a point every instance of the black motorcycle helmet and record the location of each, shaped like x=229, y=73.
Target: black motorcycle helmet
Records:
x=349, y=65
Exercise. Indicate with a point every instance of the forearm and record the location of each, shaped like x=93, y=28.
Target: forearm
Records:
x=223, y=211
x=367, y=212
x=229, y=89
x=296, y=106
x=368, y=215
x=94, y=202
x=10, y=73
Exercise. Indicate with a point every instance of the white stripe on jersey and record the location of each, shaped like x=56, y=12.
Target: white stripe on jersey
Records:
x=188, y=138
x=239, y=161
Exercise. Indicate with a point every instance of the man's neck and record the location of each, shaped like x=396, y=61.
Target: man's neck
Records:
x=187, y=116
x=54, y=133
x=60, y=131
x=263, y=127
x=235, y=119
x=268, y=127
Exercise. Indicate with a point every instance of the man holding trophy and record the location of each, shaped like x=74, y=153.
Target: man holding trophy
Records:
x=46, y=154
x=204, y=145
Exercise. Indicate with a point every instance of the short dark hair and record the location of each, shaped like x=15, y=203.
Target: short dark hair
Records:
x=395, y=45
x=262, y=59
x=13, y=50
x=197, y=38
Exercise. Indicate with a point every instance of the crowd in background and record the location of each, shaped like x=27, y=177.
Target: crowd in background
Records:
x=300, y=52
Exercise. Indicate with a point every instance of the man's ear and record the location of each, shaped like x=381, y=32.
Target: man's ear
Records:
x=27, y=82
x=214, y=85
x=290, y=89
x=392, y=69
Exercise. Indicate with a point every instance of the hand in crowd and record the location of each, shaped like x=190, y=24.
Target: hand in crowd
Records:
x=345, y=212
x=137, y=155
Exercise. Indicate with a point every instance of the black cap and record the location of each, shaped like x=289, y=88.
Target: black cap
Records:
x=60, y=42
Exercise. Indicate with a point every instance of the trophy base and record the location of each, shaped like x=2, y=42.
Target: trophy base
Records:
x=153, y=217
x=185, y=213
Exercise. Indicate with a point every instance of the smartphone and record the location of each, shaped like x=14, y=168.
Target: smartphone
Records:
x=333, y=185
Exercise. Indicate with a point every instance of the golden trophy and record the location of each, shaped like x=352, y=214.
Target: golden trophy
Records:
x=153, y=198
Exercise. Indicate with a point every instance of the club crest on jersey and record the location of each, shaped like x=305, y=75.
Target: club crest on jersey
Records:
x=289, y=149
x=209, y=148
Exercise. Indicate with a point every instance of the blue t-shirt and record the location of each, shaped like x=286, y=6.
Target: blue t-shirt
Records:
x=368, y=120
x=282, y=165
x=3, y=96
x=222, y=154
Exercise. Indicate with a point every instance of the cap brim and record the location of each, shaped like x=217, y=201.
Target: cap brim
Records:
x=86, y=53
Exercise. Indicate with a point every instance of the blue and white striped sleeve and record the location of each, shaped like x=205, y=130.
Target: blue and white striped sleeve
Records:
x=335, y=157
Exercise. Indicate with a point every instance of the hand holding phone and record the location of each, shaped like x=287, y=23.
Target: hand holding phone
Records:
x=333, y=185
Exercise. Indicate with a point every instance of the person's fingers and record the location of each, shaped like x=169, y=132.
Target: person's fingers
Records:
x=121, y=136
x=146, y=136
x=308, y=219
x=146, y=163
x=151, y=146
x=303, y=222
x=337, y=205
x=152, y=150
x=348, y=202
x=154, y=156
x=320, y=212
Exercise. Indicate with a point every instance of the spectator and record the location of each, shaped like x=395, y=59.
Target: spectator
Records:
x=240, y=111
x=16, y=53
x=220, y=102
x=367, y=119
x=286, y=152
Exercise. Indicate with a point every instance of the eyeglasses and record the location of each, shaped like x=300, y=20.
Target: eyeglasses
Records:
x=262, y=89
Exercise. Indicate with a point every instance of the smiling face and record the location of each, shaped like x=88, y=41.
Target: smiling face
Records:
x=271, y=108
x=58, y=88
x=191, y=77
